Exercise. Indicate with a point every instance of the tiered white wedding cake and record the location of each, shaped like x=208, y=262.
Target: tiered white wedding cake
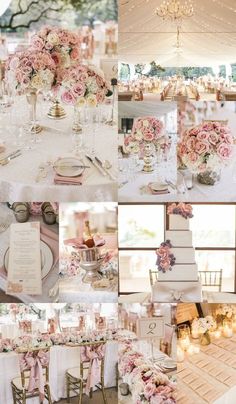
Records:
x=178, y=272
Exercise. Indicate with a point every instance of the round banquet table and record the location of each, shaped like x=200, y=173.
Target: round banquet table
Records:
x=61, y=358
x=18, y=178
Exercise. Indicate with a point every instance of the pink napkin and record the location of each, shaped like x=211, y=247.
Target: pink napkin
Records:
x=59, y=179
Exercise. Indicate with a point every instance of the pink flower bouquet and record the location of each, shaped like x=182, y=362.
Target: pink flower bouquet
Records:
x=64, y=46
x=30, y=70
x=81, y=84
x=206, y=147
x=147, y=130
x=183, y=209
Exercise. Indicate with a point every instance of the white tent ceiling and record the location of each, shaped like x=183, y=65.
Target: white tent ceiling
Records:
x=206, y=39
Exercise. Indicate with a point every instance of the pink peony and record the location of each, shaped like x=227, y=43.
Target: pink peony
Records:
x=149, y=390
x=79, y=89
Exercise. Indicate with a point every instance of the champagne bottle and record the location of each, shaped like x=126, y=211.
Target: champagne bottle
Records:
x=88, y=238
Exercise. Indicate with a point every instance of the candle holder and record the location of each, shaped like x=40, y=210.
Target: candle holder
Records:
x=227, y=328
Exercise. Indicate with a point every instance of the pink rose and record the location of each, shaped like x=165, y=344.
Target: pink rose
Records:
x=75, y=54
x=203, y=135
x=79, y=89
x=190, y=143
x=225, y=151
x=37, y=43
x=148, y=136
x=213, y=138
x=193, y=157
x=56, y=57
x=149, y=390
x=201, y=147
x=100, y=97
x=68, y=98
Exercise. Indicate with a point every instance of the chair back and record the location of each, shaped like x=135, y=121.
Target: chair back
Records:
x=212, y=279
x=90, y=351
x=153, y=276
x=34, y=364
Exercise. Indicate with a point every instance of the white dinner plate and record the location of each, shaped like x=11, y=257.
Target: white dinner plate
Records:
x=46, y=258
x=67, y=167
x=169, y=364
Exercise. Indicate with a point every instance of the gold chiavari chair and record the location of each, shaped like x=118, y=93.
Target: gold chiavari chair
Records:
x=212, y=279
x=76, y=378
x=20, y=385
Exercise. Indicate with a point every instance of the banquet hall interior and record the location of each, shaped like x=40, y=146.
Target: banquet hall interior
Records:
x=206, y=339
x=58, y=104
x=196, y=240
x=147, y=352
x=67, y=341
x=36, y=281
x=88, y=252
x=184, y=162
x=169, y=55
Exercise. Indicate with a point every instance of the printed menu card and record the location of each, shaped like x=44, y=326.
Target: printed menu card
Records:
x=24, y=265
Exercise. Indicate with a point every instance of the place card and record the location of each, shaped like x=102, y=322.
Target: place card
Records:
x=24, y=266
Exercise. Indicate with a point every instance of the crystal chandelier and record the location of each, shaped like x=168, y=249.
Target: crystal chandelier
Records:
x=175, y=10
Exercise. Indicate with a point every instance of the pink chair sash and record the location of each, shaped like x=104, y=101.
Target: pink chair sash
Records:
x=94, y=355
x=35, y=363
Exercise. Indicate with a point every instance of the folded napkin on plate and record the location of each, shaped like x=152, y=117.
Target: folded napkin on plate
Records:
x=51, y=239
x=59, y=179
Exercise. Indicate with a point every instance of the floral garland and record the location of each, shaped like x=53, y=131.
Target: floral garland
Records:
x=165, y=259
x=147, y=383
x=43, y=341
x=182, y=209
x=206, y=147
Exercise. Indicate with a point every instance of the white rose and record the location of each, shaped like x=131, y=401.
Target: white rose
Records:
x=145, y=123
x=53, y=39
x=81, y=102
x=36, y=82
x=92, y=100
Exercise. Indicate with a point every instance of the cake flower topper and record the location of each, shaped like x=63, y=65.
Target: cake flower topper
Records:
x=182, y=209
x=165, y=259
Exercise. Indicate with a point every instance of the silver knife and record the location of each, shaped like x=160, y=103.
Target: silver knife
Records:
x=106, y=171
x=10, y=155
x=96, y=165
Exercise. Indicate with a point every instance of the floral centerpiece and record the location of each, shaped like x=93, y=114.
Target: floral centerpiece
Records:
x=147, y=133
x=165, y=258
x=202, y=326
x=205, y=148
x=225, y=312
x=183, y=209
x=147, y=383
x=30, y=70
x=80, y=85
x=63, y=45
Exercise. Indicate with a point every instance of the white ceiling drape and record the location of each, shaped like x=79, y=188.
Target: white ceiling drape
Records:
x=206, y=39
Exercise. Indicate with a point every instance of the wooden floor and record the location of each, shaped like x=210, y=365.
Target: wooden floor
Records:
x=111, y=395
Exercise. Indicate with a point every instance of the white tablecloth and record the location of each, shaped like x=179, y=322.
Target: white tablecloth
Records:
x=73, y=290
x=48, y=283
x=17, y=179
x=61, y=358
